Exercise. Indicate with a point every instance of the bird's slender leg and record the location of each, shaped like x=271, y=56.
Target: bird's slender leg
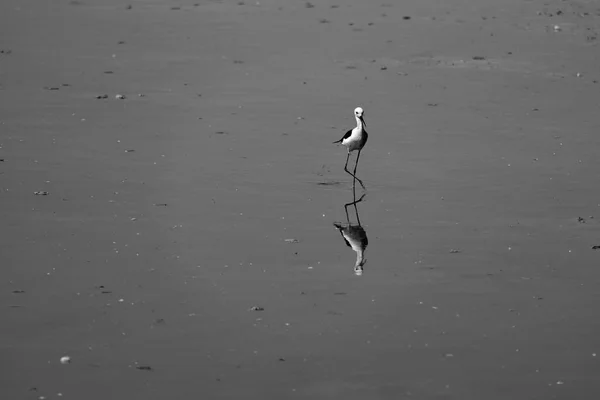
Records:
x=356, y=166
x=353, y=175
x=347, y=216
x=354, y=203
x=353, y=200
x=346, y=169
x=356, y=209
x=346, y=166
x=357, y=217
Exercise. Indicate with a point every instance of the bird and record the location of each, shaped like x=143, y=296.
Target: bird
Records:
x=355, y=139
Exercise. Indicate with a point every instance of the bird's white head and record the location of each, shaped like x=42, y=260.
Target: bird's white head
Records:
x=359, y=114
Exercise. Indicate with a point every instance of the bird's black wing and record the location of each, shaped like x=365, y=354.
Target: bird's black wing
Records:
x=346, y=136
x=341, y=229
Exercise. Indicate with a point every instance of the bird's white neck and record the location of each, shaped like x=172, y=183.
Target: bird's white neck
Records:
x=359, y=123
x=360, y=258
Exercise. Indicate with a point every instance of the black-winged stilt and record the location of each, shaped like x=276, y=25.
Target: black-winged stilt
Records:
x=355, y=139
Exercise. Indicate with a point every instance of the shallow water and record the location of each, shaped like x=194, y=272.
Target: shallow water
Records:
x=171, y=215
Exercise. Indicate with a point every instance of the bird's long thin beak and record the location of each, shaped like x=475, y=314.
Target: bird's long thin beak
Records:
x=363, y=121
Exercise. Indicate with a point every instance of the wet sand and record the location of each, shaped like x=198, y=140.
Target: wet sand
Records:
x=169, y=213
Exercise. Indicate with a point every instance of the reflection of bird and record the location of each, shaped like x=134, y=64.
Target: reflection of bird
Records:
x=355, y=236
x=355, y=139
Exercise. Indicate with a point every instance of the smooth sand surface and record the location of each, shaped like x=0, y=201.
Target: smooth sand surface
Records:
x=169, y=213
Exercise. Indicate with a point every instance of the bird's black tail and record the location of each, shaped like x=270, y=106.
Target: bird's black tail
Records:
x=338, y=141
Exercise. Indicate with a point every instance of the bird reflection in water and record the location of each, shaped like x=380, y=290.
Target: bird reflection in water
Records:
x=354, y=235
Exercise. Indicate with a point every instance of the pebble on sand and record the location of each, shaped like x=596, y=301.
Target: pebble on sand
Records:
x=65, y=360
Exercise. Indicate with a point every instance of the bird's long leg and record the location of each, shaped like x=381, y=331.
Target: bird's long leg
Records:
x=347, y=216
x=351, y=203
x=354, y=203
x=357, y=217
x=356, y=166
x=356, y=208
x=353, y=175
x=346, y=166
